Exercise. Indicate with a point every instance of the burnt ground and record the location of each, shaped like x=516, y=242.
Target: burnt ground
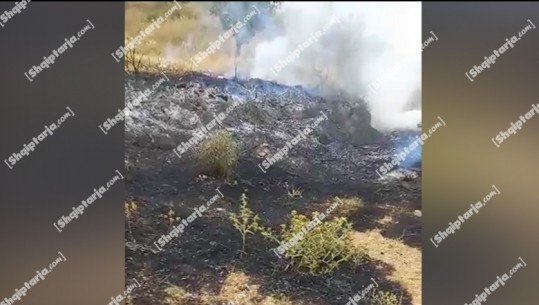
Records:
x=202, y=259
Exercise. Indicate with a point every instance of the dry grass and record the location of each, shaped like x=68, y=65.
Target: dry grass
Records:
x=238, y=288
x=399, y=221
x=175, y=295
x=218, y=154
x=293, y=192
x=348, y=206
x=405, y=259
x=187, y=32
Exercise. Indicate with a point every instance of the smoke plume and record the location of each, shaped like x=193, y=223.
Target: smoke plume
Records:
x=372, y=51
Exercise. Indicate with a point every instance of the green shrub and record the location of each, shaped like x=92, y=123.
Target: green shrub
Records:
x=246, y=221
x=384, y=298
x=321, y=249
x=218, y=154
x=315, y=246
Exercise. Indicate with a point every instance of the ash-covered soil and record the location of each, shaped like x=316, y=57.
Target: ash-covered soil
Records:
x=339, y=158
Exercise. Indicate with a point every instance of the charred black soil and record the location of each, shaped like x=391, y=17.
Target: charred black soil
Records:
x=208, y=252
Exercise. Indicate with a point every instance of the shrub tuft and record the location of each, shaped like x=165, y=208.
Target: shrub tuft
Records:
x=321, y=249
x=384, y=298
x=218, y=154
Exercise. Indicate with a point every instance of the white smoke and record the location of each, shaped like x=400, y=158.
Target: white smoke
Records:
x=373, y=52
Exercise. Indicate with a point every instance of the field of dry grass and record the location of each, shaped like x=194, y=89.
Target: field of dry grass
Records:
x=181, y=37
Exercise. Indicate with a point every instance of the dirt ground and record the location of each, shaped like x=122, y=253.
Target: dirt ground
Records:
x=205, y=262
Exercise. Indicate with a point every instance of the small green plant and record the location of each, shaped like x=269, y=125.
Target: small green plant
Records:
x=246, y=222
x=218, y=153
x=384, y=298
x=312, y=245
x=318, y=247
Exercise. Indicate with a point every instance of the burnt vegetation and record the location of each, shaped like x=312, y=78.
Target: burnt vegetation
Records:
x=227, y=254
